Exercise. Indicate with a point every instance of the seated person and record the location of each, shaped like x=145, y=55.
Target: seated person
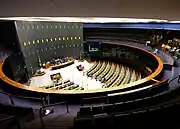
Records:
x=80, y=67
x=40, y=71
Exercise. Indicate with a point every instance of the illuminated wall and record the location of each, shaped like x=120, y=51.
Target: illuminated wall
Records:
x=48, y=40
x=92, y=48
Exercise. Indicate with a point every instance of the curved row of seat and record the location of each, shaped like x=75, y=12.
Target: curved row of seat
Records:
x=112, y=74
x=96, y=68
x=161, y=116
x=114, y=106
x=63, y=85
x=159, y=107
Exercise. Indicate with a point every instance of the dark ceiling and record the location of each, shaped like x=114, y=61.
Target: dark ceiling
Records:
x=156, y=9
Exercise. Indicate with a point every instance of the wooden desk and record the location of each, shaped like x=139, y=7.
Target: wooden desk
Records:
x=38, y=74
x=61, y=65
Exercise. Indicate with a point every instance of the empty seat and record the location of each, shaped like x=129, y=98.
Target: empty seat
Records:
x=129, y=105
x=118, y=107
x=83, y=123
x=102, y=121
x=157, y=115
x=97, y=109
x=139, y=119
x=138, y=103
x=108, y=108
x=121, y=120
x=85, y=111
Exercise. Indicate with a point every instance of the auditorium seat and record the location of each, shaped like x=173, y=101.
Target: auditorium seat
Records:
x=118, y=79
x=93, y=67
x=110, y=73
x=139, y=75
x=9, y=122
x=157, y=115
x=129, y=105
x=124, y=106
x=111, y=76
x=115, y=76
x=97, y=74
x=99, y=70
x=126, y=77
x=85, y=111
x=139, y=119
x=97, y=109
x=22, y=113
x=122, y=76
x=121, y=120
x=106, y=72
x=71, y=87
x=133, y=76
x=102, y=122
x=143, y=101
x=130, y=76
x=108, y=108
x=118, y=107
x=91, y=73
x=107, y=66
x=83, y=123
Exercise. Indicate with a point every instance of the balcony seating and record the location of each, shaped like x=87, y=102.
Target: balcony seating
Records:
x=97, y=109
x=9, y=122
x=102, y=121
x=83, y=123
x=21, y=113
x=108, y=108
x=85, y=111
x=120, y=120
x=143, y=117
x=128, y=105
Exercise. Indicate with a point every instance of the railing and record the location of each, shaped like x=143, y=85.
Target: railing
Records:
x=178, y=76
x=13, y=119
x=92, y=98
x=50, y=105
x=42, y=100
x=9, y=95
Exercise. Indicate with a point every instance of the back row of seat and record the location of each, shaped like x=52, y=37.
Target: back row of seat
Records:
x=159, y=116
x=9, y=122
x=116, y=107
x=115, y=104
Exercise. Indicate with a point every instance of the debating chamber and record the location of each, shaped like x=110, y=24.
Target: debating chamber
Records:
x=63, y=66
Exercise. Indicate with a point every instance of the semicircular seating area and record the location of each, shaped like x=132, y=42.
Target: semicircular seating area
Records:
x=112, y=74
